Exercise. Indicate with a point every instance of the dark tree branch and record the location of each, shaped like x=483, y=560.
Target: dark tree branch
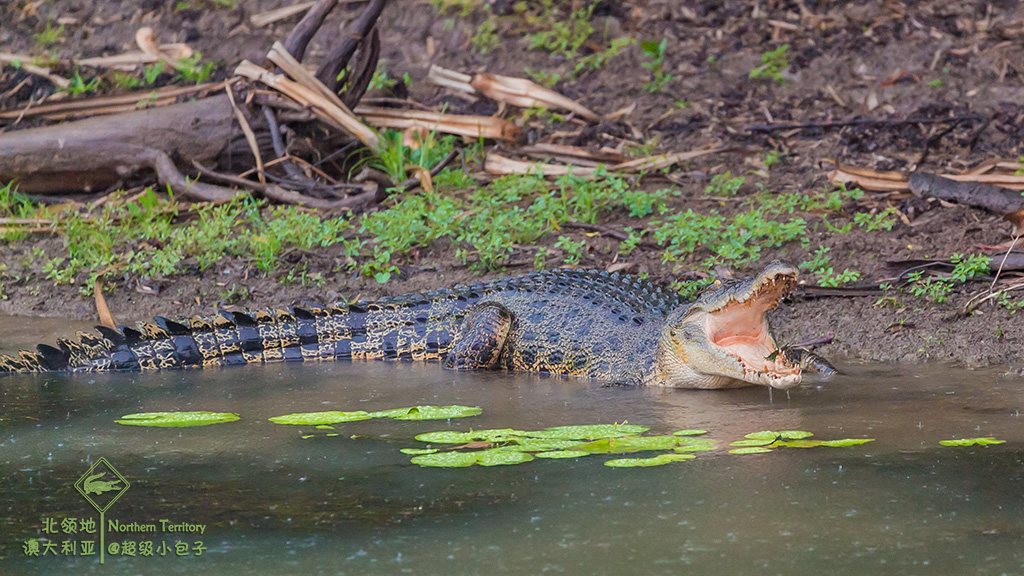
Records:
x=338, y=58
x=304, y=31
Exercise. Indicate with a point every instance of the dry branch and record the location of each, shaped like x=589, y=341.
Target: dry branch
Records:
x=97, y=153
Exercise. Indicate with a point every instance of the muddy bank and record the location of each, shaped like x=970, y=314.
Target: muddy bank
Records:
x=872, y=60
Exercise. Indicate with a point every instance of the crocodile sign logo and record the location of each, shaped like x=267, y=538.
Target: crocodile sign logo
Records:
x=102, y=485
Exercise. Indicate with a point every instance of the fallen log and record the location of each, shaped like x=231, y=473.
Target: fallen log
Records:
x=101, y=152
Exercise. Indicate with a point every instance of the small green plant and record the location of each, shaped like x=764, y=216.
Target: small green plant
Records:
x=883, y=220
x=151, y=72
x=50, y=35
x=656, y=52
x=1020, y=171
x=724, y=185
x=772, y=65
x=937, y=83
x=193, y=69
x=78, y=85
x=573, y=250
x=829, y=278
x=771, y=158
x=543, y=77
x=596, y=60
x=485, y=38
x=562, y=35
x=936, y=288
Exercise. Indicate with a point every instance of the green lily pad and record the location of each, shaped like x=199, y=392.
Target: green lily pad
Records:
x=428, y=412
x=750, y=450
x=417, y=451
x=795, y=434
x=757, y=442
x=588, y=432
x=324, y=427
x=502, y=457
x=454, y=437
x=696, y=447
x=320, y=418
x=177, y=419
x=763, y=435
x=544, y=444
x=658, y=460
x=987, y=441
x=689, y=432
x=626, y=444
x=844, y=443
x=447, y=459
x=562, y=454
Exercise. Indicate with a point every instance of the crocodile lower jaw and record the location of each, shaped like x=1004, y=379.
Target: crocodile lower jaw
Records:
x=740, y=329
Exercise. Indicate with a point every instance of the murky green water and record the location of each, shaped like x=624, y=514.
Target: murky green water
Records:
x=275, y=503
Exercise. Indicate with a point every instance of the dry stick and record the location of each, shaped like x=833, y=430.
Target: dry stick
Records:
x=169, y=174
x=298, y=39
x=250, y=136
x=366, y=67
x=411, y=182
x=102, y=311
x=972, y=304
x=279, y=194
x=338, y=58
x=858, y=122
x=933, y=140
x=993, y=198
x=279, y=148
x=114, y=104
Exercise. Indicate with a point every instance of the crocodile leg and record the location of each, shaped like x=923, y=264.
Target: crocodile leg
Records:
x=482, y=339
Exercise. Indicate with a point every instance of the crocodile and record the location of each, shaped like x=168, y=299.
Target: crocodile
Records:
x=590, y=324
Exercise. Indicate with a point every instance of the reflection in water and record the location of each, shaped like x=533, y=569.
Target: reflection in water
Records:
x=279, y=504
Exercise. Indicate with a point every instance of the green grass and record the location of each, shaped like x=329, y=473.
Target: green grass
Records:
x=772, y=65
x=656, y=52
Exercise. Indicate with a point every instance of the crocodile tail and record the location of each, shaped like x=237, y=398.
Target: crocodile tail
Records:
x=225, y=338
x=392, y=330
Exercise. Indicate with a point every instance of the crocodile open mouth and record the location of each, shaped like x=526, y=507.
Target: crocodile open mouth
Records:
x=739, y=327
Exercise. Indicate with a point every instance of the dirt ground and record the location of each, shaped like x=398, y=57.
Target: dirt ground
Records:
x=926, y=59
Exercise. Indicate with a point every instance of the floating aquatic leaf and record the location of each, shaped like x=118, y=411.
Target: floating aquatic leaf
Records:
x=588, y=432
x=427, y=412
x=447, y=459
x=177, y=419
x=562, y=454
x=417, y=451
x=502, y=457
x=320, y=418
x=763, y=435
x=658, y=460
x=846, y=442
x=331, y=435
x=702, y=446
x=308, y=436
x=454, y=437
x=689, y=432
x=987, y=441
x=758, y=442
x=795, y=434
x=544, y=444
x=324, y=427
x=626, y=444
x=750, y=450
x=685, y=441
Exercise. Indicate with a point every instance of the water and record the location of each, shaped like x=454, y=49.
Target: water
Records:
x=274, y=503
